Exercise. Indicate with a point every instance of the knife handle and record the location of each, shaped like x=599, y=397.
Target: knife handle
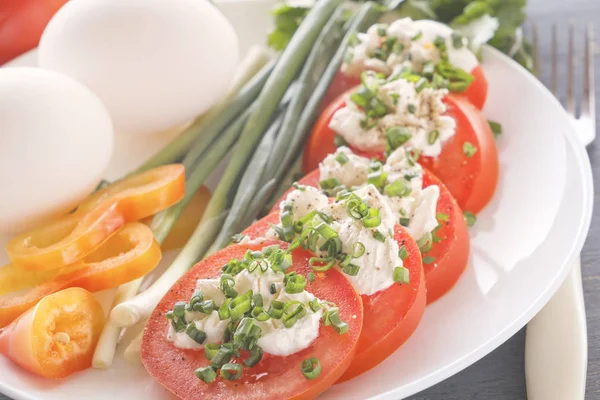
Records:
x=556, y=345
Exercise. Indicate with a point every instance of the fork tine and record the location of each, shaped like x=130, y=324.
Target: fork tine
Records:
x=553, y=76
x=570, y=103
x=588, y=106
x=536, y=51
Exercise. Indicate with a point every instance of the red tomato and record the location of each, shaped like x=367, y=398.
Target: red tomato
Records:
x=471, y=180
x=274, y=376
x=451, y=253
x=476, y=92
x=22, y=23
x=391, y=315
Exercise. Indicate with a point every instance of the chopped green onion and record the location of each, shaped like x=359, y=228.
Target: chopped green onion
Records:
x=403, y=253
x=399, y=188
x=397, y=136
x=178, y=324
x=351, y=269
x=210, y=349
x=237, y=238
x=295, y=284
x=469, y=149
x=457, y=41
x=310, y=276
x=417, y=36
x=332, y=317
x=179, y=309
x=224, y=310
x=433, y=136
x=342, y=158
x=255, y=356
x=411, y=108
x=401, y=275
x=222, y=357
x=442, y=217
x=272, y=288
x=240, y=305
x=257, y=300
x=496, y=128
x=404, y=221
x=377, y=235
x=311, y=368
x=260, y=314
x=428, y=260
x=196, y=334
x=206, y=374
x=243, y=331
x=314, y=305
x=226, y=284
x=420, y=85
x=326, y=231
x=425, y=242
x=358, y=249
x=276, y=309
x=329, y=183
x=373, y=219
x=470, y=218
x=231, y=371
x=292, y=315
x=321, y=264
x=339, y=141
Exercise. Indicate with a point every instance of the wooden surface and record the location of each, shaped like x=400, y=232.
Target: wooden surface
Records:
x=501, y=375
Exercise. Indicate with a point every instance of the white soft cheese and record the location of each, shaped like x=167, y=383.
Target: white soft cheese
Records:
x=304, y=201
x=419, y=205
x=420, y=113
x=414, y=53
x=352, y=172
x=276, y=339
x=379, y=259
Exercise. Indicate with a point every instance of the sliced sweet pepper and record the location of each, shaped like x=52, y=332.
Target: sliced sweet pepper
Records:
x=131, y=253
x=71, y=238
x=142, y=195
x=57, y=337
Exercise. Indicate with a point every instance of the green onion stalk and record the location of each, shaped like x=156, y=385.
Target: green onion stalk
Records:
x=265, y=106
x=271, y=152
x=164, y=221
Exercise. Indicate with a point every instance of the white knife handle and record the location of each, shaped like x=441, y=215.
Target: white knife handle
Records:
x=556, y=345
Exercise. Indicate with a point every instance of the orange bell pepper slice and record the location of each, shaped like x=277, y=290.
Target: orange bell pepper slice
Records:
x=71, y=238
x=130, y=254
x=57, y=337
x=142, y=195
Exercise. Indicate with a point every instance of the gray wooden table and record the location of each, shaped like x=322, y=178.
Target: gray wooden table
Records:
x=501, y=374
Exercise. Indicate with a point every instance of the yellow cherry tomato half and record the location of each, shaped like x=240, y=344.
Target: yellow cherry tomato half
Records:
x=57, y=337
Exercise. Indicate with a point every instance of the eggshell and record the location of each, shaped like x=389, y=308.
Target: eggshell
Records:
x=154, y=63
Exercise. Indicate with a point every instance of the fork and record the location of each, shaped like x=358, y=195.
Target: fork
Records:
x=556, y=339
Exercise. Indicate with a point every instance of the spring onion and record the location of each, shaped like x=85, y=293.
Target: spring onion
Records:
x=231, y=371
x=254, y=357
x=206, y=374
x=311, y=368
x=401, y=275
x=470, y=218
x=469, y=149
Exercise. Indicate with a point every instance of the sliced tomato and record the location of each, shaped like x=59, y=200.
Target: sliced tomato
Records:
x=391, y=315
x=450, y=253
x=471, y=180
x=274, y=376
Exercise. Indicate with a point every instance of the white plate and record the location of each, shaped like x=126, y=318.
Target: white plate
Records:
x=522, y=247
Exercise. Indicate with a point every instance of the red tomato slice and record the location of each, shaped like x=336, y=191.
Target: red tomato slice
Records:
x=451, y=253
x=22, y=23
x=391, y=315
x=274, y=376
x=471, y=180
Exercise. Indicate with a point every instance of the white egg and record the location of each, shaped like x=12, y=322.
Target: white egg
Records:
x=154, y=63
x=56, y=139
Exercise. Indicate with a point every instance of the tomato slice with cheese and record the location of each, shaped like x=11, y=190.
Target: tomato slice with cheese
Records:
x=472, y=179
x=273, y=376
x=449, y=254
x=390, y=316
